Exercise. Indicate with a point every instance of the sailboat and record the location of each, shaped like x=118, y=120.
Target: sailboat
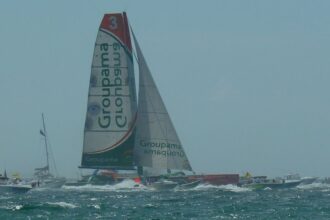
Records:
x=122, y=132
x=14, y=185
x=43, y=175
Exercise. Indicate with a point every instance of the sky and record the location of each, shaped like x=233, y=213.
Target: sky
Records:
x=246, y=83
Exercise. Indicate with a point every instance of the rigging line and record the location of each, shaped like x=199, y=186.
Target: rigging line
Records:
x=52, y=157
x=45, y=137
x=130, y=29
x=51, y=154
x=133, y=51
x=134, y=54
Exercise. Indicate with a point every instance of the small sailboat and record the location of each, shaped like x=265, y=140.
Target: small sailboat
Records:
x=123, y=132
x=43, y=175
x=14, y=185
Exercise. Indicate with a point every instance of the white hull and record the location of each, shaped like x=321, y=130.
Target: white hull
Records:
x=164, y=185
x=52, y=183
x=13, y=188
x=308, y=180
x=190, y=185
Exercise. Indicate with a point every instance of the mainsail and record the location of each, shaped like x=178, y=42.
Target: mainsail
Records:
x=118, y=134
x=157, y=144
x=111, y=110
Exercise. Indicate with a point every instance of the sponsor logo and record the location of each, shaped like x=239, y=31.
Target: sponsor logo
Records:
x=164, y=149
x=116, y=100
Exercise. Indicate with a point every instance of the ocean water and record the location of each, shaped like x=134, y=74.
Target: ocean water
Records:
x=123, y=201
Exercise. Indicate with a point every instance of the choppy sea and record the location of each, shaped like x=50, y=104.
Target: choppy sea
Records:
x=124, y=201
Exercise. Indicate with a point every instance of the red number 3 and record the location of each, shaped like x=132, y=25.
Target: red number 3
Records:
x=113, y=22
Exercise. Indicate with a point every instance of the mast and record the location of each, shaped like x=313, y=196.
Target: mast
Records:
x=45, y=137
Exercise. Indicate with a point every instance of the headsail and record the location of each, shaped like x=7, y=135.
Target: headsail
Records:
x=111, y=110
x=157, y=144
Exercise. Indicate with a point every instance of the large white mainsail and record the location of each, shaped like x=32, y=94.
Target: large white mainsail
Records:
x=111, y=110
x=157, y=144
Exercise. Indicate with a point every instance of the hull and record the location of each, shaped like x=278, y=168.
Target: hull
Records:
x=260, y=186
x=15, y=188
x=103, y=178
x=83, y=181
x=77, y=183
x=309, y=180
x=190, y=185
x=216, y=179
x=74, y=184
x=326, y=180
x=164, y=185
x=53, y=183
x=213, y=179
x=184, y=182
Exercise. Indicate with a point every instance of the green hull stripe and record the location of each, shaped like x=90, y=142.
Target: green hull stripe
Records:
x=121, y=156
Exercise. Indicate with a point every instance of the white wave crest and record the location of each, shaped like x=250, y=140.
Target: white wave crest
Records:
x=63, y=204
x=126, y=184
x=97, y=206
x=315, y=185
x=4, y=197
x=229, y=187
x=18, y=207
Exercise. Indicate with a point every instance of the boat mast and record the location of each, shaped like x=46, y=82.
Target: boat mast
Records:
x=45, y=136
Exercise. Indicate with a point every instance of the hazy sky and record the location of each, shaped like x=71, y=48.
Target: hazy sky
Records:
x=245, y=82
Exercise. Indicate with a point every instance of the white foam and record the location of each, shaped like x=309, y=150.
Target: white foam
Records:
x=314, y=185
x=126, y=184
x=229, y=187
x=205, y=187
x=97, y=206
x=234, y=188
x=63, y=204
x=18, y=207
